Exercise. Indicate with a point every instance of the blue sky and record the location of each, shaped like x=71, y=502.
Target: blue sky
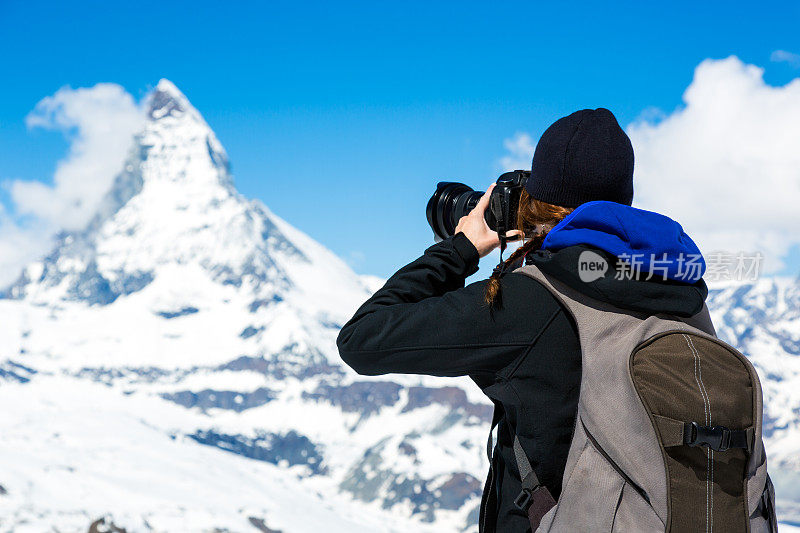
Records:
x=342, y=117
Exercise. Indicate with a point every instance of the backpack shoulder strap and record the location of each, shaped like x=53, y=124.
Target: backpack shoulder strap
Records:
x=534, y=499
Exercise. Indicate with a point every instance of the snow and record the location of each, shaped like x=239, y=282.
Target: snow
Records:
x=80, y=451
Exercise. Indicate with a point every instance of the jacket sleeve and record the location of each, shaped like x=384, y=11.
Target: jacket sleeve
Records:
x=425, y=321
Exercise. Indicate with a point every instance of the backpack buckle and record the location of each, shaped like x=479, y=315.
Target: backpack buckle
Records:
x=523, y=501
x=718, y=438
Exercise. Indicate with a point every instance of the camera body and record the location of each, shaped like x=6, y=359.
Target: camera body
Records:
x=452, y=200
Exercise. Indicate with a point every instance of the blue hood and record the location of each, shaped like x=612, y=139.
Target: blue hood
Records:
x=644, y=238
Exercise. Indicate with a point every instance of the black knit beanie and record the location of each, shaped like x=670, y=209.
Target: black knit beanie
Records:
x=583, y=157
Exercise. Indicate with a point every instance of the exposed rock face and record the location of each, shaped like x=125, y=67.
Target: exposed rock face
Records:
x=101, y=525
x=290, y=449
x=365, y=397
x=221, y=399
x=261, y=525
x=453, y=397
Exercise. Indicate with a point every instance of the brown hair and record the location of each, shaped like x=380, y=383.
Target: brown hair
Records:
x=534, y=218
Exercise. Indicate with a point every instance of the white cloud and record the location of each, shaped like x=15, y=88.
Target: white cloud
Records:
x=727, y=163
x=19, y=245
x=520, y=152
x=99, y=122
x=782, y=56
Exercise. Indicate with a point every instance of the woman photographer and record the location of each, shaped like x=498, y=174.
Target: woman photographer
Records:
x=509, y=333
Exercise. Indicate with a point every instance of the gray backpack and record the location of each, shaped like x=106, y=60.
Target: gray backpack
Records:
x=668, y=430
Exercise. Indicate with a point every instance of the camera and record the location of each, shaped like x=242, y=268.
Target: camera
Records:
x=452, y=200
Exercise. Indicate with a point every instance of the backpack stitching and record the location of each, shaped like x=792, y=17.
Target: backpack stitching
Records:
x=710, y=451
x=705, y=411
x=698, y=376
x=712, y=488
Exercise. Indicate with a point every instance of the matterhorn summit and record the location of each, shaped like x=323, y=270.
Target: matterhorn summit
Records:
x=174, y=205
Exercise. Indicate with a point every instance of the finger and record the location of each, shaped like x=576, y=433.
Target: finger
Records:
x=513, y=235
x=483, y=203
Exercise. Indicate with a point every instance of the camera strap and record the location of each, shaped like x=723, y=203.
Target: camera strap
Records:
x=500, y=207
x=502, y=245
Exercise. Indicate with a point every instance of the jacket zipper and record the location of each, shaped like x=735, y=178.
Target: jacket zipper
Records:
x=614, y=465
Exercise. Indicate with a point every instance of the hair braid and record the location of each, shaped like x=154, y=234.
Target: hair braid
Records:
x=535, y=219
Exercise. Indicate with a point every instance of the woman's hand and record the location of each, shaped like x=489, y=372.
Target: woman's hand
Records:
x=475, y=228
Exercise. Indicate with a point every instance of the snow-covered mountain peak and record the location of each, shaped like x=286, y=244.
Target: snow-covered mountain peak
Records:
x=176, y=134
x=167, y=100
x=173, y=212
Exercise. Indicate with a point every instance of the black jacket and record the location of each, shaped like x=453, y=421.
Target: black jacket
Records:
x=525, y=356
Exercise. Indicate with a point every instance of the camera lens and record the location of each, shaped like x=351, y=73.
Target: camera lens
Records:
x=452, y=200
x=449, y=203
